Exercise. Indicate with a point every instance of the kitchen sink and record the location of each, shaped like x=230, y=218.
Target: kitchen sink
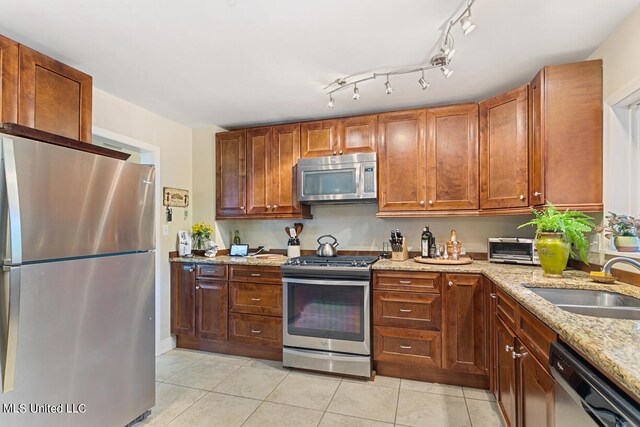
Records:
x=592, y=303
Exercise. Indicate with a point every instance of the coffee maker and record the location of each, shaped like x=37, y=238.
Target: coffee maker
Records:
x=184, y=243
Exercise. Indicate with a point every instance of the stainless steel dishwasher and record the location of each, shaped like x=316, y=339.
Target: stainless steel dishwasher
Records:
x=585, y=397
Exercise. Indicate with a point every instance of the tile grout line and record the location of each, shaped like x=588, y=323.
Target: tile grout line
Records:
x=395, y=416
x=332, y=396
x=468, y=411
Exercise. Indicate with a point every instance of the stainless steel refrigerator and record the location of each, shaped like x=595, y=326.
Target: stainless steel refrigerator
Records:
x=77, y=291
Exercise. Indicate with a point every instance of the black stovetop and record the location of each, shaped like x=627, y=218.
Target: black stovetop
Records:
x=356, y=261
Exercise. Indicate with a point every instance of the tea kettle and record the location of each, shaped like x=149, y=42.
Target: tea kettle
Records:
x=327, y=249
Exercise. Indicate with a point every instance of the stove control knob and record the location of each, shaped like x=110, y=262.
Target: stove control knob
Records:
x=363, y=264
x=303, y=262
x=354, y=263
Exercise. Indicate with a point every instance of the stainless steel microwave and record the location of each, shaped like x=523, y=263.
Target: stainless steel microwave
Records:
x=349, y=178
x=513, y=250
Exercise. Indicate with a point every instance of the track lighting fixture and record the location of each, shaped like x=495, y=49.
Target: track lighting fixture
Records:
x=440, y=60
x=388, y=87
x=425, y=84
x=467, y=25
x=330, y=103
x=356, y=92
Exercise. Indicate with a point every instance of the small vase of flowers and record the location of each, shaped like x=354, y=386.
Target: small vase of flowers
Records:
x=625, y=231
x=201, y=233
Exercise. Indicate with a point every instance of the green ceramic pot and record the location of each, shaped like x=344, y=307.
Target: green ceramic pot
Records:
x=627, y=243
x=553, y=251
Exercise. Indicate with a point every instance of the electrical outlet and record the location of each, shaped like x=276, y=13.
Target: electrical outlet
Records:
x=165, y=230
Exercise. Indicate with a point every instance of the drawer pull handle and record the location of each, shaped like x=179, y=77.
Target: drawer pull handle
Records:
x=492, y=295
x=405, y=282
x=508, y=348
x=253, y=331
x=405, y=347
x=256, y=299
x=405, y=310
x=256, y=274
x=517, y=355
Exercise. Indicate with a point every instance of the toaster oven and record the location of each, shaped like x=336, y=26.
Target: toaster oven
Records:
x=513, y=250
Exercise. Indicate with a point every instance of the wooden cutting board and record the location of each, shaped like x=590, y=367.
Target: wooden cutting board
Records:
x=436, y=261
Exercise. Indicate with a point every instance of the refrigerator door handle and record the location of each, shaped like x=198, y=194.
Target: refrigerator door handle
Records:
x=13, y=203
x=10, y=338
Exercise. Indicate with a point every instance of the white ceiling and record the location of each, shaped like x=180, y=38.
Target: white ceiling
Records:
x=246, y=62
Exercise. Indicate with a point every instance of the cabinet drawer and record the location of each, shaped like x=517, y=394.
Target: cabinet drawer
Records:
x=259, y=330
x=255, y=274
x=407, y=310
x=408, y=346
x=403, y=281
x=252, y=298
x=506, y=308
x=535, y=335
x=216, y=271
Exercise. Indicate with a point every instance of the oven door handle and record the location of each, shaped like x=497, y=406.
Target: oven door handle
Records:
x=336, y=282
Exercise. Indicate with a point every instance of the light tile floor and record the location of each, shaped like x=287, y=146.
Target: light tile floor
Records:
x=208, y=389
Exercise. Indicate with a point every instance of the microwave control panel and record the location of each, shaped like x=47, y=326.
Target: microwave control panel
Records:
x=369, y=179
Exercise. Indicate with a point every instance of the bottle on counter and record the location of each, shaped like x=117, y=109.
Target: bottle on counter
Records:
x=236, y=237
x=425, y=243
x=431, y=238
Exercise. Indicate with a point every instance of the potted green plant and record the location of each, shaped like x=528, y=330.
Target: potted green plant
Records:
x=556, y=232
x=625, y=231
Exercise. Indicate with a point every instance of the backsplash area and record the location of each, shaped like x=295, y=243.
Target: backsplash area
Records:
x=357, y=228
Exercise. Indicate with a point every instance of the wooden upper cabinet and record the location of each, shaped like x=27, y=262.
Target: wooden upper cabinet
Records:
x=452, y=157
x=566, y=132
x=258, y=170
x=54, y=97
x=504, y=153
x=464, y=315
x=8, y=80
x=285, y=152
x=230, y=174
x=357, y=134
x=319, y=138
x=402, y=161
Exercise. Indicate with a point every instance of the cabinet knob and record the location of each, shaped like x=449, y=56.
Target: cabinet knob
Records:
x=241, y=208
x=492, y=295
x=421, y=202
x=430, y=202
x=275, y=206
x=508, y=348
x=197, y=287
x=521, y=197
x=190, y=270
x=517, y=355
x=268, y=206
x=334, y=152
x=340, y=152
x=537, y=194
x=450, y=284
x=254, y=331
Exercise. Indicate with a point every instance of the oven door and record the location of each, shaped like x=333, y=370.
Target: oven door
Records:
x=330, y=315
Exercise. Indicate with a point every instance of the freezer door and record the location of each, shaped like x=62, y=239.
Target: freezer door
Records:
x=74, y=204
x=85, y=341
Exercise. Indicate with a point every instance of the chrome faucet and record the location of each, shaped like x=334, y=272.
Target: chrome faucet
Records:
x=606, y=268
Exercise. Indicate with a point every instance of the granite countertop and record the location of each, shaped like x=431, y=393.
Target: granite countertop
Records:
x=612, y=345
x=233, y=260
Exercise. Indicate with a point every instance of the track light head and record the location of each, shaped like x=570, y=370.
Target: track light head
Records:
x=467, y=25
x=356, y=93
x=448, y=52
x=388, y=87
x=439, y=60
x=330, y=104
x=425, y=84
x=446, y=71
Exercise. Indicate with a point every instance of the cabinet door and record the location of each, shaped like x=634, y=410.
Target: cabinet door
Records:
x=506, y=342
x=183, y=304
x=8, y=80
x=402, y=161
x=465, y=323
x=258, y=171
x=211, y=305
x=319, y=138
x=230, y=174
x=54, y=97
x=537, y=391
x=357, y=134
x=536, y=175
x=285, y=152
x=504, y=154
x=492, y=354
x=452, y=157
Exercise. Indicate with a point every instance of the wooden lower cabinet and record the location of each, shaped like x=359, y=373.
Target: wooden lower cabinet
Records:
x=537, y=392
x=258, y=330
x=506, y=395
x=407, y=346
x=255, y=298
x=211, y=309
x=183, y=299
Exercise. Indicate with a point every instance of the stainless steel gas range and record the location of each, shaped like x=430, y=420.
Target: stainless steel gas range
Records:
x=326, y=309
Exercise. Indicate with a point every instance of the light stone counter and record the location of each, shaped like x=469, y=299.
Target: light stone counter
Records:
x=232, y=260
x=612, y=345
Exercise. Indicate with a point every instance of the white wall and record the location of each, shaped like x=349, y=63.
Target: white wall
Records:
x=175, y=142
